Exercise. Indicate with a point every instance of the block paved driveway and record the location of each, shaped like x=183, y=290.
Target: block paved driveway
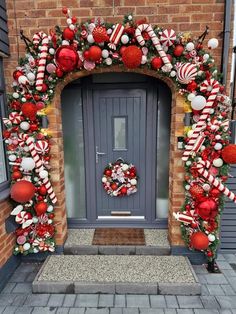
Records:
x=218, y=296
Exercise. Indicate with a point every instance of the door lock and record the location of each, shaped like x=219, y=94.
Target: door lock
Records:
x=98, y=154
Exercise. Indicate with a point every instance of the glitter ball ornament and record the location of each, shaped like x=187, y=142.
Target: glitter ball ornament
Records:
x=132, y=57
x=66, y=58
x=95, y=53
x=100, y=34
x=196, y=191
x=199, y=241
x=229, y=154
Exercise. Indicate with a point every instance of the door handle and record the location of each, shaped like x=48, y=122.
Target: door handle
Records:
x=98, y=154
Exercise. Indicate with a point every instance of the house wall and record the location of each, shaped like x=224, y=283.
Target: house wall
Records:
x=181, y=15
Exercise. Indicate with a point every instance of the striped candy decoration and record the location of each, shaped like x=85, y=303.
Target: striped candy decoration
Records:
x=42, y=58
x=201, y=169
x=15, y=117
x=42, y=147
x=186, y=72
x=207, y=85
x=7, y=122
x=168, y=37
x=115, y=36
x=185, y=218
x=21, y=139
x=201, y=124
x=199, y=142
x=148, y=28
x=50, y=191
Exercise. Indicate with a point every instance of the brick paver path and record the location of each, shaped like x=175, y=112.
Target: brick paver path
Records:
x=218, y=296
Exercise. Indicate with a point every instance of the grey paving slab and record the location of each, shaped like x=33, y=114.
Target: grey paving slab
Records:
x=226, y=302
x=115, y=311
x=19, y=299
x=63, y=310
x=69, y=300
x=184, y=311
x=9, y=287
x=158, y=301
x=136, y=288
x=10, y=309
x=94, y=287
x=206, y=311
x=2, y=308
x=170, y=311
x=37, y=300
x=232, y=282
x=200, y=269
x=216, y=279
x=202, y=279
x=27, y=267
x=24, y=310
x=151, y=311
x=138, y=301
x=86, y=300
x=130, y=311
x=107, y=250
x=97, y=311
x=120, y=300
x=228, y=290
x=125, y=250
x=215, y=290
x=106, y=300
x=77, y=310
x=56, y=300
x=220, y=257
x=7, y=299
x=44, y=310
x=209, y=302
x=204, y=290
x=22, y=288
x=18, y=277
x=189, y=302
x=231, y=258
x=223, y=265
x=229, y=273
x=180, y=288
x=171, y=301
x=31, y=276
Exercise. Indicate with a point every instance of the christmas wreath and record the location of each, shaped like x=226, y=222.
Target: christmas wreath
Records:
x=120, y=179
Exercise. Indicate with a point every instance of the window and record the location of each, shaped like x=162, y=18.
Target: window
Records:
x=119, y=133
x=4, y=183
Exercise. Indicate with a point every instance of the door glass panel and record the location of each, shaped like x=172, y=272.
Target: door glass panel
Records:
x=72, y=123
x=119, y=133
x=163, y=147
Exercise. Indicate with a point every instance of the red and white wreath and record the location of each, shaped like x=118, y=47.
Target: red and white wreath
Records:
x=120, y=179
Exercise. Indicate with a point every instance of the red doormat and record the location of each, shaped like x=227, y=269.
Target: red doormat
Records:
x=119, y=236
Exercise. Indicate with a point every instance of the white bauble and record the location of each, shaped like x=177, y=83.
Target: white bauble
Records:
x=218, y=146
x=15, y=95
x=35, y=220
x=211, y=237
x=206, y=57
x=188, y=163
x=190, y=133
x=12, y=157
x=72, y=27
x=50, y=209
x=124, y=39
x=202, y=148
x=108, y=61
x=104, y=179
x=26, y=149
x=144, y=59
x=125, y=167
x=24, y=125
x=31, y=76
x=69, y=21
x=213, y=127
x=26, y=246
x=130, y=17
x=218, y=137
x=213, y=43
x=65, y=43
x=218, y=162
x=109, y=31
x=90, y=38
x=91, y=27
x=27, y=163
x=23, y=99
x=172, y=73
x=133, y=181
x=105, y=53
x=187, y=187
x=199, y=73
x=49, y=221
x=198, y=102
x=35, y=250
x=189, y=46
x=191, y=96
x=206, y=187
x=51, y=51
x=212, y=111
x=22, y=79
x=43, y=174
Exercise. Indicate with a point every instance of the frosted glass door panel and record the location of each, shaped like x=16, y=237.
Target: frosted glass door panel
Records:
x=72, y=122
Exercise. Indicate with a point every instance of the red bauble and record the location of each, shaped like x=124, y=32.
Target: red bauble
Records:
x=207, y=209
x=16, y=175
x=215, y=192
x=108, y=172
x=178, y=50
x=22, y=191
x=66, y=58
x=196, y=191
x=42, y=190
x=33, y=127
x=100, y=34
x=64, y=10
x=95, y=53
x=59, y=72
x=123, y=190
x=122, y=49
x=199, y=241
x=210, y=254
x=156, y=63
x=86, y=55
x=44, y=88
x=132, y=57
x=229, y=154
x=29, y=110
x=68, y=34
x=17, y=74
x=114, y=186
x=40, y=208
x=6, y=134
x=192, y=86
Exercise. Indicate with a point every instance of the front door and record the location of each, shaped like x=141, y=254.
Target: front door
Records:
x=121, y=124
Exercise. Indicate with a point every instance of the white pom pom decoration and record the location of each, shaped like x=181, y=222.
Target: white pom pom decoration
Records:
x=43, y=174
x=25, y=125
x=90, y=39
x=124, y=39
x=198, y=102
x=27, y=163
x=213, y=43
x=105, y=53
x=189, y=46
x=191, y=96
x=218, y=162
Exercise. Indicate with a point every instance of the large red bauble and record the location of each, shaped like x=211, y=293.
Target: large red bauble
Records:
x=214, y=192
x=42, y=190
x=16, y=175
x=66, y=58
x=196, y=191
x=17, y=74
x=29, y=110
x=22, y=191
x=108, y=172
x=114, y=186
x=95, y=53
x=229, y=154
x=132, y=57
x=156, y=63
x=40, y=208
x=207, y=209
x=178, y=50
x=68, y=34
x=100, y=34
x=199, y=241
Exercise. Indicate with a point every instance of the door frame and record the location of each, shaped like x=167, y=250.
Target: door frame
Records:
x=90, y=166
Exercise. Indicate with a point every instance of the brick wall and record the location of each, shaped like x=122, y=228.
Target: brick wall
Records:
x=181, y=15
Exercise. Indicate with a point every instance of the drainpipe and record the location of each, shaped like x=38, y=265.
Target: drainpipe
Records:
x=226, y=39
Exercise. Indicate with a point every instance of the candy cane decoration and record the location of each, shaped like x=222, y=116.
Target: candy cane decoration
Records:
x=201, y=124
x=42, y=58
x=148, y=28
x=185, y=218
x=201, y=169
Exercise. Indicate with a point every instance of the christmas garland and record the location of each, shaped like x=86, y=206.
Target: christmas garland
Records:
x=120, y=179
x=131, y=44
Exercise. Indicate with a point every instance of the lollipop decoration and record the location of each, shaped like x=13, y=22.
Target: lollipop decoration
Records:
x=186, y=72
x=168, y=37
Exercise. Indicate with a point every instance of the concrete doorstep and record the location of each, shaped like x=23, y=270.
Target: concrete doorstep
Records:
x=117, y=274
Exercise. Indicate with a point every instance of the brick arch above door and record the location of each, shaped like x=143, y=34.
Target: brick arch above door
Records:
x=176, y=192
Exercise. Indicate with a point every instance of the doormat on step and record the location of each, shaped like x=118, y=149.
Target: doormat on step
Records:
x=119, y=236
